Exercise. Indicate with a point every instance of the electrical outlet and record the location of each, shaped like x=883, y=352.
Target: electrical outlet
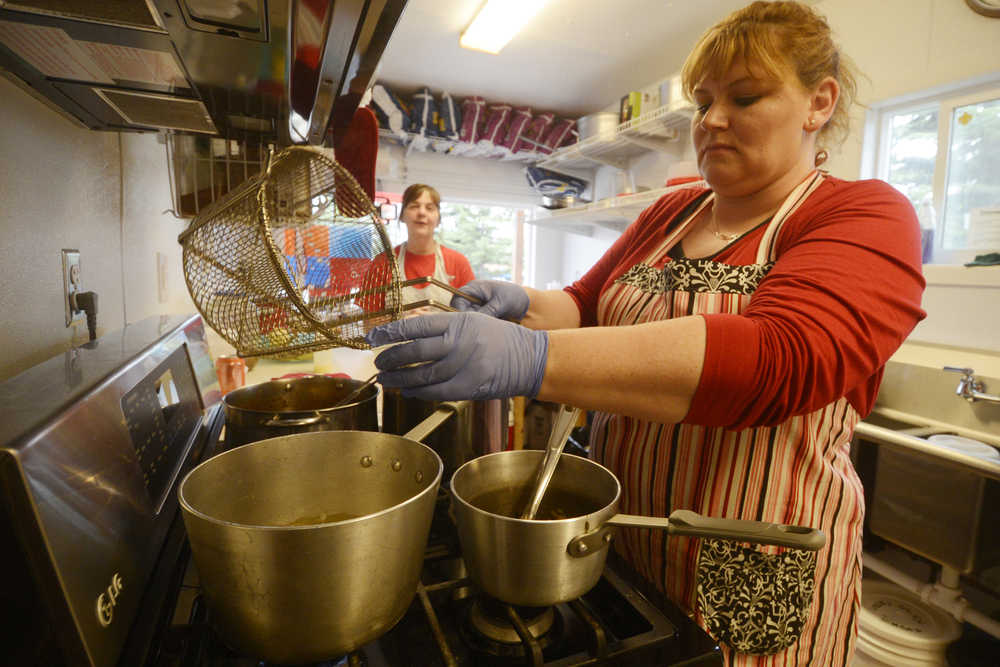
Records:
x=71, y=284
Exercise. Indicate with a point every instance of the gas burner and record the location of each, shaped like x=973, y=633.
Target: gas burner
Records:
x=493, y=620
x=490, y=629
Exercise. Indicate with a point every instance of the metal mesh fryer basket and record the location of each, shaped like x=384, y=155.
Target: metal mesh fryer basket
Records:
x=293, y=260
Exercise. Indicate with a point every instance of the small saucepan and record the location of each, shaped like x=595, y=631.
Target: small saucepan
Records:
x=559, y=555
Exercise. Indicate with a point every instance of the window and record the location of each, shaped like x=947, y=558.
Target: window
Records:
x=486, y=235
x=943, y=153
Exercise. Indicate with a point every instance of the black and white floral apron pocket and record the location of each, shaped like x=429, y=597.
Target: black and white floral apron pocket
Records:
x=755, y=602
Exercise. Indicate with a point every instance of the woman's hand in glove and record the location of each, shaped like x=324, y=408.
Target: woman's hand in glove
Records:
x=460, y=356
x=501, y=299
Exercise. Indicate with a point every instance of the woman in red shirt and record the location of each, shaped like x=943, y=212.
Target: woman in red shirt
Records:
x=728, y=342
x=422, y=255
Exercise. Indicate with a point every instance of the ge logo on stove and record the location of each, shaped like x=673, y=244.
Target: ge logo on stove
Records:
x=106, y=601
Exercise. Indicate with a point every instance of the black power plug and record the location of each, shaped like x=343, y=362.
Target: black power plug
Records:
x=87, y=302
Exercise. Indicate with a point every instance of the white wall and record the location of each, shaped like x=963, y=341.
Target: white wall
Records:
x=60, y=187
x=150, y=231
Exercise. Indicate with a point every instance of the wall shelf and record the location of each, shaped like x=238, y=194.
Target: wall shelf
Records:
x=614, y=213
x=656, y=130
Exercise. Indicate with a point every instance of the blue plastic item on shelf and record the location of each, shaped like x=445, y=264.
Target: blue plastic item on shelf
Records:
x=548, y=182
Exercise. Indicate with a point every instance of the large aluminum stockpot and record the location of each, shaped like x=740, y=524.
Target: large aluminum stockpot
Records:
x=559, y=555
x=464, y=437
x=309, y=546
x=300, y=405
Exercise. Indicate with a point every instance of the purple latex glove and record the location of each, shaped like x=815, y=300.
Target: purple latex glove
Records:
x=461, y=356
x=502, y=299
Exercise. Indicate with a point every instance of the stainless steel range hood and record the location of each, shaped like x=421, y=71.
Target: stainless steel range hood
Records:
x=271, y=71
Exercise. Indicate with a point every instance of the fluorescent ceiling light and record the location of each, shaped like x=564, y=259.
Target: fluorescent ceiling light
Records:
x=497, y=23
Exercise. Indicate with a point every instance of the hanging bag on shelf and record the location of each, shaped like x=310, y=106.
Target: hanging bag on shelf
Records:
x=531, y=137
x=519, y=119
x=473, y=117
x=423, y=118
x=390, y=107
x=559, y=134
x=449, y=118
x=495, y=126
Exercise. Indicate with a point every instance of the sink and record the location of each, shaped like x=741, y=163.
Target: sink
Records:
x=905, y=433
x=933, y=500
x=907, y=427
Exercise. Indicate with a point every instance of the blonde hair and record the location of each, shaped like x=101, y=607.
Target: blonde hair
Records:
x=414, y=191
x=777, y=37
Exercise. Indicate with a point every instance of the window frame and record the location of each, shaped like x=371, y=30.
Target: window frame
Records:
x=945, y=99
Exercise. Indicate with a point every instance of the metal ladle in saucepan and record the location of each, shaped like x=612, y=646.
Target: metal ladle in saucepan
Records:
x=561, y=426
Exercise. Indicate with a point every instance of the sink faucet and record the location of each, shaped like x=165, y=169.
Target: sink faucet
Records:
x=970, y=388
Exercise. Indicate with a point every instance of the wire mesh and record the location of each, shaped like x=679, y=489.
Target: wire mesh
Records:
x=293, y=260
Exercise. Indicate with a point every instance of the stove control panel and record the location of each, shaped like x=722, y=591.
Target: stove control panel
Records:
x=161, y=412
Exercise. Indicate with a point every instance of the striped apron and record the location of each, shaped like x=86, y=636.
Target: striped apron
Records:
x=761, y=603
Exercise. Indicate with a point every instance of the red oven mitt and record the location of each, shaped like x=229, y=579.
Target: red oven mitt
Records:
x=357, y=149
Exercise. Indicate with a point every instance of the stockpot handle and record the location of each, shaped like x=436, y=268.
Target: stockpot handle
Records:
x=302, y=421
x=692, y=524
x=436, y=418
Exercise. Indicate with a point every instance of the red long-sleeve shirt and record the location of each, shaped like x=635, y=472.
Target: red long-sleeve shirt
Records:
x=843, y=295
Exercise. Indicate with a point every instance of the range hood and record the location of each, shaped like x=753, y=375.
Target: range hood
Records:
x=262, y=71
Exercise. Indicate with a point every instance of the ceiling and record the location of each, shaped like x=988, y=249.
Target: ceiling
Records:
x=575, y=57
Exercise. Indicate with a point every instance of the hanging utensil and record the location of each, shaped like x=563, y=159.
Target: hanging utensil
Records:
x=562, y=425
x=357, y=392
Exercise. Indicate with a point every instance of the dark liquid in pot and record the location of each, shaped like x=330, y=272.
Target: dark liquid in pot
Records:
x=556, y=503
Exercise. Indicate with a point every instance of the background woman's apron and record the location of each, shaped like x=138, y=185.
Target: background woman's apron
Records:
x=410, y=294
x=796, y=473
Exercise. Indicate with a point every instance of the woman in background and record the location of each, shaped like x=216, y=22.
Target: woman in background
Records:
x=422, y=255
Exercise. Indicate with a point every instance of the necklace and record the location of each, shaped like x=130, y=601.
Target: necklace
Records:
x=722, y=235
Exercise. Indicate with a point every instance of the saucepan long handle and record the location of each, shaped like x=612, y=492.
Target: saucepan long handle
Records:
x=692, y=524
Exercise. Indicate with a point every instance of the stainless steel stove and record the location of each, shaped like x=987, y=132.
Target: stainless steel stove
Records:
x=102, y=572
